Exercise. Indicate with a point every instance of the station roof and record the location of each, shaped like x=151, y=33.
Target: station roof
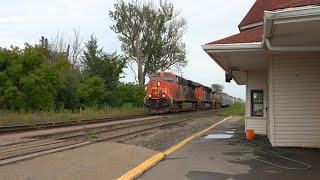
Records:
x=251, y=35
x=256, y=12
x=255, y=15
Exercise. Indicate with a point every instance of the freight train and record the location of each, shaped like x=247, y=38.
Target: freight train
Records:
x=168, y=92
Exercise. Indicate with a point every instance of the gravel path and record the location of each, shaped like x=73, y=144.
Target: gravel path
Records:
x=164, y=138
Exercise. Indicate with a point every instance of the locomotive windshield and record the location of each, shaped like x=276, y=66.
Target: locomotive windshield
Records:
x=168, y=78
x=154, y=78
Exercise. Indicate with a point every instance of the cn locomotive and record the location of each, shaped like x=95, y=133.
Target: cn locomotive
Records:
x=168, y=92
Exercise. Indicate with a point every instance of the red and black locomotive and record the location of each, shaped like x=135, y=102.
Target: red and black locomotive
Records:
x=168, y=92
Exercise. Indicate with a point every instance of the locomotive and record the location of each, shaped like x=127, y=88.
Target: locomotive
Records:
x=168, y=92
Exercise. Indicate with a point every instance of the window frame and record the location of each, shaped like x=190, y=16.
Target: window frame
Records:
x=158, y=78
x=173, y=80
x=252, y=92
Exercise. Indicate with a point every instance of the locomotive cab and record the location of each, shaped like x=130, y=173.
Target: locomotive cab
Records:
x=160, y=92
x=160, y=86
x=167, y=92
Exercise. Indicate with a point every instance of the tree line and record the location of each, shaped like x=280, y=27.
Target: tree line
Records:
x=36, y=78
x=57, y=75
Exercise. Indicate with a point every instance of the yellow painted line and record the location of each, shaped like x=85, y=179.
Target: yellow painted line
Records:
x=135, y=172
x=147, y=164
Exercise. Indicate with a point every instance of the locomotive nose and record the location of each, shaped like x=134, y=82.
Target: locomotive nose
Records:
x=157, y=90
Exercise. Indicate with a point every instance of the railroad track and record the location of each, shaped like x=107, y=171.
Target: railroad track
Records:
x=36, y=147
x=23, y=128
x=50, y=125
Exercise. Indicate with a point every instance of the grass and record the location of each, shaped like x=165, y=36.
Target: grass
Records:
x=14, y=118
x=236, y=109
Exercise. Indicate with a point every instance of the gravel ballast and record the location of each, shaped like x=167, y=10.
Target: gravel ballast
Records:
x=162, y=139
x=109, y=160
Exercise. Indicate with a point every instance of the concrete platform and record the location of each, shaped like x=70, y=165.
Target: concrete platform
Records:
x=214, y=158
x=96, y=161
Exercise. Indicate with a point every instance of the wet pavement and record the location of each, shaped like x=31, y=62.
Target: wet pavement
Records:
x=216, y=155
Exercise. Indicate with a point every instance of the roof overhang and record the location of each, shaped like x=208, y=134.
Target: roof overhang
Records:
x=249, y=26
x=238, y=58
x=292, y=29
x=295, y=29
x=232, y=47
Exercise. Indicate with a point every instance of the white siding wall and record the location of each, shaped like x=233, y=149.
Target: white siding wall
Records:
x=256, y=81
x=270, y=105
x=296, y=99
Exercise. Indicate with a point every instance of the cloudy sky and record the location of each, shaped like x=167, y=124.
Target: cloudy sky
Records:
x=208, y=20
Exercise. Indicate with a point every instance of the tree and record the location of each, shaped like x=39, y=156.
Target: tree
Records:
x=97, y=63
x=151, y=35
x=11, y=97
x=72, y=49
x=218, y=88
x=66, y=66
x=93, y=92
x=131, y=93
x=28, y=82
x=32, y=80
x=67, y=91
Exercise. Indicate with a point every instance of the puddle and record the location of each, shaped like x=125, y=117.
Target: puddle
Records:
x=229, y=132
x=225, y=132
x=218, y=136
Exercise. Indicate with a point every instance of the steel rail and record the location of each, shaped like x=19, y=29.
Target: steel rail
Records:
x=76, y=143
x=17, y=128
x=50, y=125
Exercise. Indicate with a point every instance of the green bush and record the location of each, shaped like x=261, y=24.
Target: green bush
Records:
x=130, y=93
x=93, y=92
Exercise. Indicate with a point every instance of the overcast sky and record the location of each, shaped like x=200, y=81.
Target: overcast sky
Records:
x=208, y=20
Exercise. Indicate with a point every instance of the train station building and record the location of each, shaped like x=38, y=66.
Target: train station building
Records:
x=277, y=56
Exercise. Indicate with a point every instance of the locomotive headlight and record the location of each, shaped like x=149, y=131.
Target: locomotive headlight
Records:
x=149, y=95
x=163, y=95
x=158, y=83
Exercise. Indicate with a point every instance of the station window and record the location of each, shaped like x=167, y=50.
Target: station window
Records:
x=257, y=103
